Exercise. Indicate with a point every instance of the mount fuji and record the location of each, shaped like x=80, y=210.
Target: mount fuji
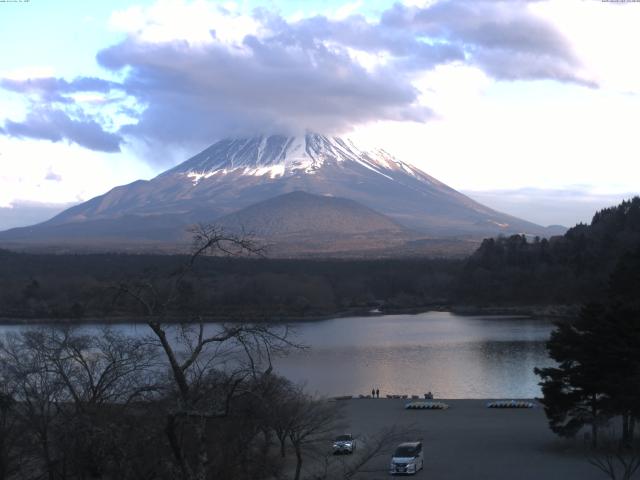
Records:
x=236, y=174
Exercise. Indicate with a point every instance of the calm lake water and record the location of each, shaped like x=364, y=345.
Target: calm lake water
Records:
x=450, y=355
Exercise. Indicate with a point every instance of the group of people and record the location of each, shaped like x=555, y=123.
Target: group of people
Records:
x=375, y=393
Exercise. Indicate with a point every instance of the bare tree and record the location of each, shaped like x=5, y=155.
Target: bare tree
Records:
x=39, y=393
x=71, y=391
x=617, y=460
x=280, y=399
x=102, y=375
x=209, y=367
x=162, y=406
x=313, y=421
x=617, y=463
x=9, y=435
x=109, y=368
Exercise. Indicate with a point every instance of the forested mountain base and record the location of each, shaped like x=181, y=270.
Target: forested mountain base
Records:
x=502, y=273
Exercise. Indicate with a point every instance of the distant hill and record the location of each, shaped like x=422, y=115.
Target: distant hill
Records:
x=303, y=223
x=304, y=214
x=300, y=224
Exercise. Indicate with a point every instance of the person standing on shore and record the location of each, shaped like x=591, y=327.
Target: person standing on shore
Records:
x=377, y=393
x=373, y=393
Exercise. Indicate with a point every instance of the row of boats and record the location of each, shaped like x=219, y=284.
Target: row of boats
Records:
x=422, y=405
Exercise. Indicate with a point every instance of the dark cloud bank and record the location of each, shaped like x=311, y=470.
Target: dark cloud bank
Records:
x=54, y=124
x=301, y=76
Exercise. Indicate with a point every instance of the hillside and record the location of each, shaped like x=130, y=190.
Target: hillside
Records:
x=300, y=223
x=303, y=214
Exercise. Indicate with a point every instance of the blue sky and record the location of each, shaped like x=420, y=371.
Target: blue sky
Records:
x=65, y=34
x=523, y=105
x=68, y=34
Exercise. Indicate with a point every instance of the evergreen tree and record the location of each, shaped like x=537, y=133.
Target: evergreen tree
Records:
x=598, y=356
x=573, y=392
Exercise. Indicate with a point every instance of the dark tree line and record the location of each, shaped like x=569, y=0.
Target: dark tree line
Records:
x=568, y=269
x=73, y=286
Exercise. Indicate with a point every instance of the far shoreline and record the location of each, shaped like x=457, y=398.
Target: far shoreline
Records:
x=555, y=312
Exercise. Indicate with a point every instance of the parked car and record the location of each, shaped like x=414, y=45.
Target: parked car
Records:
x=408, y=458
x=344, y=444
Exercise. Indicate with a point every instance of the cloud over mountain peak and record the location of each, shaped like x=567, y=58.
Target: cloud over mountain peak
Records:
x=192, y=72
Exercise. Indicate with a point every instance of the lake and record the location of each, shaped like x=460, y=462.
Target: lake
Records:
x=450, y=355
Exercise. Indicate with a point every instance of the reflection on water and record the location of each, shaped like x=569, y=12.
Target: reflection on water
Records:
x=449, y=355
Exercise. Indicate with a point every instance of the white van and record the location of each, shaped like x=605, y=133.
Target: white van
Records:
x=408, y=458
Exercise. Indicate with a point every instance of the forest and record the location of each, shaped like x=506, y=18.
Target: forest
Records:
x=568, y=269
x=504, y=272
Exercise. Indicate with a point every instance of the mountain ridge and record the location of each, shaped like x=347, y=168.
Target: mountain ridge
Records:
x=233, y=174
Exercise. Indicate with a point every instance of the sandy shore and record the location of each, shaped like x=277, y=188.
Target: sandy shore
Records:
x=471, y=441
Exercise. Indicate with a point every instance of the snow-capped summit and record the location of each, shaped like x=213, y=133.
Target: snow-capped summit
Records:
x=236, y=173
x=281, y=156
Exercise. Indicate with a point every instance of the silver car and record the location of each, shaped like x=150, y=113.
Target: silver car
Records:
x=344, y=444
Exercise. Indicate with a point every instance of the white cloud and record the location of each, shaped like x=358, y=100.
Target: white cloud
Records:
x=347, y=9
x=26, y=164
x=494, y=135
x=605, y=35
x=527, y=135
x=89, y=97
x=181, y=20
x=28, y=72
x=566, y=206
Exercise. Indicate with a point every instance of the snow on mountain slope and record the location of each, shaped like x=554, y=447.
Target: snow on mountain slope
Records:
x=280, y=156
x=235, y=173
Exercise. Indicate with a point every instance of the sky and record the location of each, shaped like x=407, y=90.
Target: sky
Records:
x=530, y=107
